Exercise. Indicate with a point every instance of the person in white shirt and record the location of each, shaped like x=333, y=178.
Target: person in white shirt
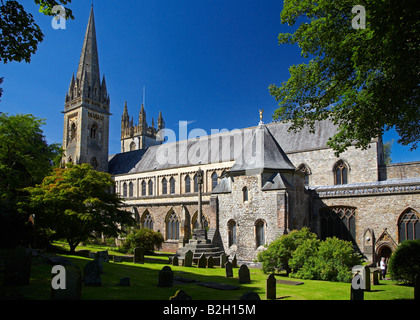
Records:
x=383, y=267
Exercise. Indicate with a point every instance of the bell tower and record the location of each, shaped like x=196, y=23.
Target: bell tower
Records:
x=86, y=110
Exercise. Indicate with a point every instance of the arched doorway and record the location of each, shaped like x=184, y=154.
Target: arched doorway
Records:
x=384, y=251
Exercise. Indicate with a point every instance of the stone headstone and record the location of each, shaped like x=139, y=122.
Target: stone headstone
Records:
x=210, y=262
x=244, y=276
x=180, y=295
x=356, y=293
x=139, y=255
x=166, y=277
x=374, y=277
x=17, y=269
x=188, y=258
x=222, y=260
x=73, y=290
x=229, y=269
x=125, y=282
x=270, y=287
x=175, y=261
x=92, y=273
x=366, y=278
x=234, y=261
x=250, y=295
x=202, y=261
x=102, y=256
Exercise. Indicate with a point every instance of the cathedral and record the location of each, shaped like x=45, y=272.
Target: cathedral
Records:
x=258, y=183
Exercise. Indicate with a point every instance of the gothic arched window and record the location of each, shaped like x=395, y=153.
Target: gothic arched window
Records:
x=306, y=171
x=73, y=131
x=132, y=146
x=244, y=194
x=409, y=225
x=195, y=183
x=187, y=184
x=339, y=222
x=147, y=221
x=259, y=233
x=172, y=227
x=131, y=189
x=164, y=186
x=124, y=190
x=341, y=171
x=150, y=184
x=143, y=188
x=213, y=180
x=172, y=185
x=93, y=130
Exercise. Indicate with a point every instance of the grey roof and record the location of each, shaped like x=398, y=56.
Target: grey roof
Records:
x=224, y=186
x=228, y=146
x=262, y=152
x=276, y=182
x=384, y=183
x=124, y=162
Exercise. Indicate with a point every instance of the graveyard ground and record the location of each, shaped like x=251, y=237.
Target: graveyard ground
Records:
x=144, y=279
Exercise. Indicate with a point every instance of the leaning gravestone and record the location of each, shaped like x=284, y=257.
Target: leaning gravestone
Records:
x=222, y=260
x=139, y=255
x=73, y=289
x=270, y=287
x=92, y=273
x=229, y=270
x=17, y=269
x=166, y=277
x=244, y=276
x=202, y=261
x=188, y=260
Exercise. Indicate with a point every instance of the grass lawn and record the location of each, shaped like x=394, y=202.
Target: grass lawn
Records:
x=144, y=279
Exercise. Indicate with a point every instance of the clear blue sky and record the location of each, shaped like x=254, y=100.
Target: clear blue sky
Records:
x=208, y=62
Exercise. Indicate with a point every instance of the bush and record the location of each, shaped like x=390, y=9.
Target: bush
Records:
x=279, y=252
x=404, y=264
x=303, y=261
x=146, y=238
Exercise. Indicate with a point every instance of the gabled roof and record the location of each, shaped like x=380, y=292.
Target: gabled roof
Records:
x=124, y=162
x=276, y=182
x=262, y=152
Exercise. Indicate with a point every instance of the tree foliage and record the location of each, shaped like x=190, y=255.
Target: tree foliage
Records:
x=364, y=80
x=404, y=263
x=19, y=34
x=144, y=237
x=75, y=202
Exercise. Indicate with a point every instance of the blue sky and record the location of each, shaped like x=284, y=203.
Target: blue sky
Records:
x=208, y=62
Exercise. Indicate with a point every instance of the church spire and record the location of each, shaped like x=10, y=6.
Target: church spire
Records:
x=89, y=61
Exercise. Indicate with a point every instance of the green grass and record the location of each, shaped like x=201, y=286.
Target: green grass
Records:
x=144, y=279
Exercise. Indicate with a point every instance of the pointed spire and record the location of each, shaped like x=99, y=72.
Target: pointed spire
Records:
x=89, y=61
x=161, y=124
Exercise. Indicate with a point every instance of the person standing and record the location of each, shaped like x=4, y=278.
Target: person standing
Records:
x=383, y=267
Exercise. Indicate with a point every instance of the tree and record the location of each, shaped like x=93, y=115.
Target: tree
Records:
x=144, y=237
x=365, y=81
x=25, y=159
x=404, y=264
x=19, y=34
x=75, y=202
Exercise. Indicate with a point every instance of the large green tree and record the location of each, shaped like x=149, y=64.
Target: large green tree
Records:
x=365, y=80
x=25, y=159
x=74, y=203
x=19, y=34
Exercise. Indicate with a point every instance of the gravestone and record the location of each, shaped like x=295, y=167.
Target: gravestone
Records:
x=244, y=276
x=73, y=290
x=250, y=295
x=270, y=287
x=180, y=295
x=92, y=273
x=188, y=259
x=234, y=261
x=229, y=269
x=210, y=262
x=202, y=261
x=139, y=255
x=102, y=256
x=356, y=293
x=175, y=261
x=17, y=269
x=125, y=282
x=222, y=260
x=166, y=277
x=366, y=278
x=374, y=277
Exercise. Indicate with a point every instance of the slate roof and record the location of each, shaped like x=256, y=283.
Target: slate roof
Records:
x=222, y=147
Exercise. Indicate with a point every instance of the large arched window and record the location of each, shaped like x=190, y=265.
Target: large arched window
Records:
x=131, y=189
x=150, y=185
x=172, y=185
x=73, y=131
x=147, y=221
x=172, y=227
x=231, y=233
x=93, y=131
x=409, y=225
x=132, y=146
x=187, y=184
x=213, y=180
x=164, y=186
x=339, y=222
x=341, y=172
x=259, y=233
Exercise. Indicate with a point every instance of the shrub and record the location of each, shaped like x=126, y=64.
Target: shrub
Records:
x=146, y=238
x=405, y=261
x=279, y=252
x=303, y=261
